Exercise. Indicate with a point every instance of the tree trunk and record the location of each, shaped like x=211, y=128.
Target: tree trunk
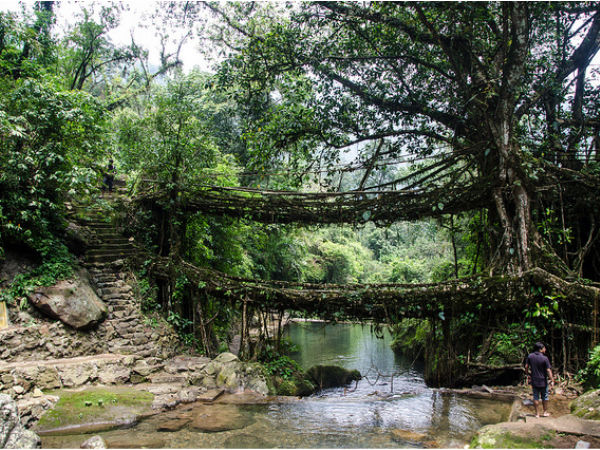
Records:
x=513, y=204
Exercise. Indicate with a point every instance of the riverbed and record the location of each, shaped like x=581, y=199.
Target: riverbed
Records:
x=390, y=407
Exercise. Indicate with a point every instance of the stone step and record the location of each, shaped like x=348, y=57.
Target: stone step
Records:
x=96, y=225
x=115, y=298
x=104, y=279
x=116, y=239
x=107, y=258
x=110, y=284
x=111, y=248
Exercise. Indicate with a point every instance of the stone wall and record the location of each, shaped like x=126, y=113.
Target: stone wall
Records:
x=125, y=331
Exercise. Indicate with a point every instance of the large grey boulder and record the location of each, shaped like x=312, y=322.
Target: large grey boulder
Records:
x=12, y=433
x=73, y=302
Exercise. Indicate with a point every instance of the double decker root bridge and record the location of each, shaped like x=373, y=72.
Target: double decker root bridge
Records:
x=503, y=295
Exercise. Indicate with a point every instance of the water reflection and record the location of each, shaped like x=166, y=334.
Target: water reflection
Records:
x=391, y=407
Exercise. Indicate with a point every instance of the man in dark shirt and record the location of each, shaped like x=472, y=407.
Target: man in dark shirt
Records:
x=538, y=370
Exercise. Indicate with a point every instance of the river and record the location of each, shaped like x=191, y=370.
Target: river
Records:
x=390, y=407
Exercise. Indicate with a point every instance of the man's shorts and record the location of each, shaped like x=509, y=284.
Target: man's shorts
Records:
x=540, y=392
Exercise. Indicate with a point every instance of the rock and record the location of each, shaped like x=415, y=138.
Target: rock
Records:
x=332, y=376
x=78, y=238
x=114, y=375
x=73, y=302
x=12, y=432
x=77, y=375
x=245, y=440
x=407, y=435
x=216, y=418
x=210, y=395
x=94, y=442
x=37, y=393
x=228, y=377
x=582, y=444
x=18, y=389
x=226, y=358
x=173, y=424
x=587, y=406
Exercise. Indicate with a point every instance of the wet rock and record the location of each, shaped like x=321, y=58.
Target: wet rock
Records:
x=73, y=302
x=216, y=418
x=12, y=432
x=137, y=442
x=407, y=435
x=94, y=442
x=174, y=424
x=245, y=440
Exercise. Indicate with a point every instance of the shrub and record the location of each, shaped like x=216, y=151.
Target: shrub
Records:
x=590, y=375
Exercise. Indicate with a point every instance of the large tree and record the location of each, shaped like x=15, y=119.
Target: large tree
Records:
x=502, y=90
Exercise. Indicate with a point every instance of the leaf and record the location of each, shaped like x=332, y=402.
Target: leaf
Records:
x=366, y=215
x=441, y=315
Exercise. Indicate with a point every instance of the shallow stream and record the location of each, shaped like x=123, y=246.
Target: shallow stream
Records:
x=390, y=407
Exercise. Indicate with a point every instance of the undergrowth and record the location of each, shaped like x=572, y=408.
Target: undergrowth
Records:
x=58, y=264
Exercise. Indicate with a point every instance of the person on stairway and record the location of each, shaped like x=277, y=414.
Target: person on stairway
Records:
x=109, y=177
x=538, y=370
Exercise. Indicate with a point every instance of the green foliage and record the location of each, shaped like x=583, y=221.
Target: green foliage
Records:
x=278, y=363
x=410, y=337
x=58, y=264
x=176, y=125
x=590, y=375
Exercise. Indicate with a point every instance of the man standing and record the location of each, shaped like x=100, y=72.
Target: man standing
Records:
x=538, y=370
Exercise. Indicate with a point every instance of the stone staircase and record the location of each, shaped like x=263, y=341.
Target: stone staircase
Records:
x=104, y=259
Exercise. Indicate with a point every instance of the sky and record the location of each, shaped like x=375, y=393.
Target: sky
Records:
x=132, y=22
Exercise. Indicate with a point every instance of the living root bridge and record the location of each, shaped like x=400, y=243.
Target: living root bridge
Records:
x=326, y=207
x=382, y=302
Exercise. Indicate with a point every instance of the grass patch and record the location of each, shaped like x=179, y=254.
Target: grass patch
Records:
x=95, y=405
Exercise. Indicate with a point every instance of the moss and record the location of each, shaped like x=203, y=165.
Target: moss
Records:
x=94, y=405
x=332, y=376
x=410, y=337
x=504, y=439
x=295, y=386
x=587, y=406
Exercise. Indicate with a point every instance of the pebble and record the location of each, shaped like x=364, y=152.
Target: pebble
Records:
x=37, y=393
x=18, y=389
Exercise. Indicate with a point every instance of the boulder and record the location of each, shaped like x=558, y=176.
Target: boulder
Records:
x=79, y=238
x=73, y=302
x=226, y=358
x=12, y=432
x=332, y=376
x=587, y=406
